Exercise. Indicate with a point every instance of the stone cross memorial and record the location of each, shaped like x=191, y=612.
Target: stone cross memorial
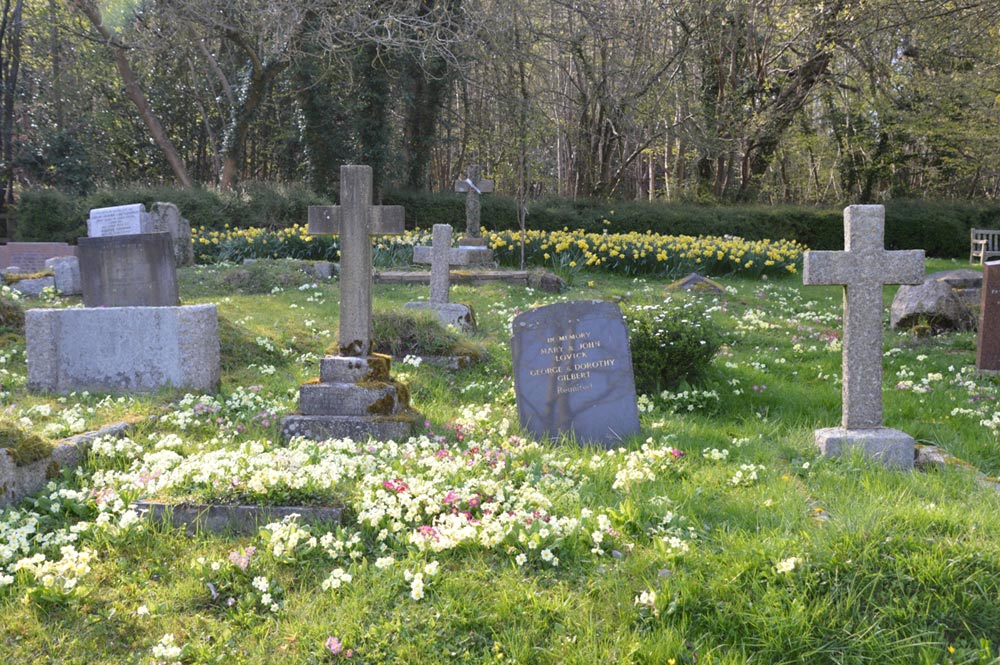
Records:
x=863, y=268
x=448, y=313
x=356, y=396
x=440, y=276
x=988, y=342
x=473, y=186
x=573, y=372
x=355, y=220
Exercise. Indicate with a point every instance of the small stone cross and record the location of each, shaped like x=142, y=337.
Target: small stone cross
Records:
x=440, y=277
x=355, y=220
x=863, y=268
x=473, y=185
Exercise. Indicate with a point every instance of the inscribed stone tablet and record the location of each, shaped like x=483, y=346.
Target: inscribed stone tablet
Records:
x=128, y=271
x=988, y=345
x=117, y=221
x=573, y=372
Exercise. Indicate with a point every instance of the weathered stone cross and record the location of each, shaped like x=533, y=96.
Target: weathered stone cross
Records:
x=355, y=220
x=474, y=185
x=440, y=277
x=863, y=268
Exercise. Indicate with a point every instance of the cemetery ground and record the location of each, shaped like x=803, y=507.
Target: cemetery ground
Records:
x=717, y=535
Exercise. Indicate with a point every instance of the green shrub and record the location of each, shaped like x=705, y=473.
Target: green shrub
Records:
x=11, y=316
x=48, y=215
x=201, y=207
x=672, y=343
x=268, y=205
x=939, y=227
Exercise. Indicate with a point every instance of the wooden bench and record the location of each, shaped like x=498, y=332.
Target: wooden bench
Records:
x=984, y=244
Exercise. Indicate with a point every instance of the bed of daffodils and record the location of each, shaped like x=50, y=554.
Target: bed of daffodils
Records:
x=566, y=251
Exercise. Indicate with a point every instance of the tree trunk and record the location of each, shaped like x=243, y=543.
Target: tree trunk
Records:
x=249, y=101
x=10, y=66
x=134, y=91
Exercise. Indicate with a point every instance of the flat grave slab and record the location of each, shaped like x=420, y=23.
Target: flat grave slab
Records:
x=235, y=518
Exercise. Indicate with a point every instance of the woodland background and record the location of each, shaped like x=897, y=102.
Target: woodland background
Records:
x=726, y=101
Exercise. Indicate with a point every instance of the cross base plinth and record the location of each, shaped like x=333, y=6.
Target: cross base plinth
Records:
x=355, y=398
x=321, y=428
x=469, y=241
x=448, y=313
x=890, y=447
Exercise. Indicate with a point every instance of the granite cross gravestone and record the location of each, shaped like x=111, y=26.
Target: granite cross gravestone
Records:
x=573, y=372
x=356, y=396
x=988, y=340
x=449, y=314
x=440, y=276
x=863, y=268
x=355, y=220
x=473, y=186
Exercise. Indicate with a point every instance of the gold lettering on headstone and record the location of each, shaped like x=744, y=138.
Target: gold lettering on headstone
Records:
x=572, y=347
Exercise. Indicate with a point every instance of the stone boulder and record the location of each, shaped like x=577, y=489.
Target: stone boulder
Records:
x=933, y=303
x=962, y=278
x=967, y=284
x=167, y=217
x=546, y=281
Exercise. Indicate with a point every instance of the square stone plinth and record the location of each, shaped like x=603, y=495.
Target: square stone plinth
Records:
x=890, y=447
x=356, y=428
x=123, y=349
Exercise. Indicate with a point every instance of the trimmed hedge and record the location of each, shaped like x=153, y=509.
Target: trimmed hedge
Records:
x=939, y=227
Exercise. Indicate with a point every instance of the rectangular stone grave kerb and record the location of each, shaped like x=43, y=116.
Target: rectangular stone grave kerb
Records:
x=863, y=268
x=355, y=220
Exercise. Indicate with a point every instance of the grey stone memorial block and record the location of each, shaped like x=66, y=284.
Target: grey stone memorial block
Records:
x=573, y=372
x=128, y=271
x=67, y=274
x=123, y=349
x=33, y=287
x=119, y=221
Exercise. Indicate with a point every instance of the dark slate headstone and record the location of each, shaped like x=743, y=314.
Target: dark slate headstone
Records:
x=573, y=372
x=988, y=344
x=128, y=271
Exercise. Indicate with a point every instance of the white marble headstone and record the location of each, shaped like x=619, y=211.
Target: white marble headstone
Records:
x=118, y=220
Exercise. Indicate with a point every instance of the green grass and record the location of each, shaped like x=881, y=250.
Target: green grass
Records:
x=815, y=561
